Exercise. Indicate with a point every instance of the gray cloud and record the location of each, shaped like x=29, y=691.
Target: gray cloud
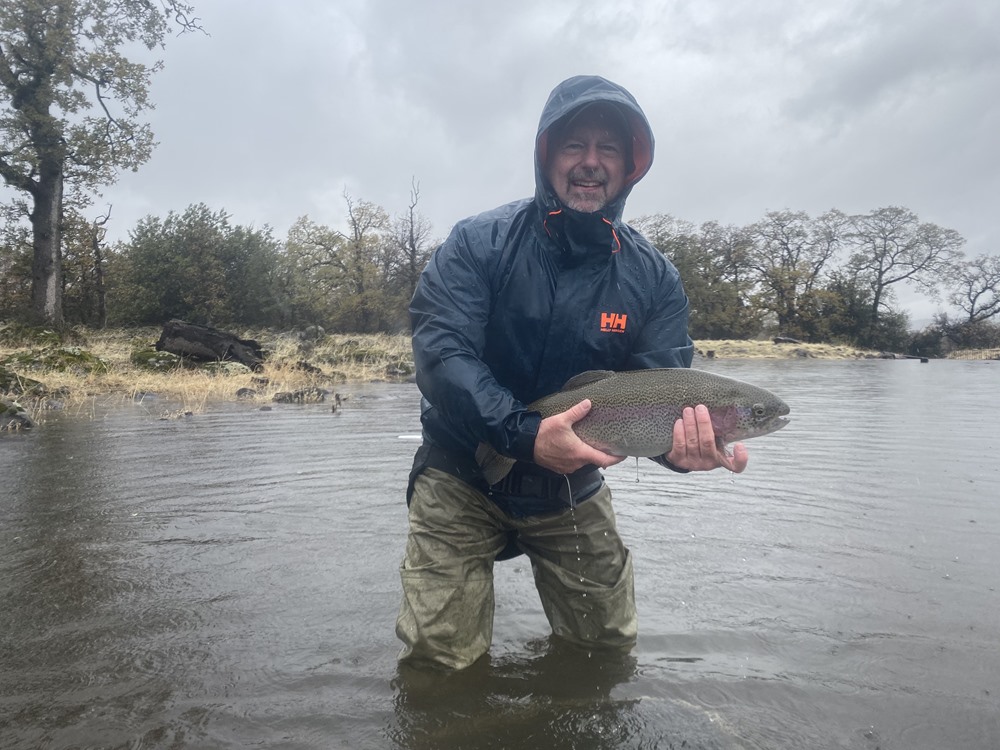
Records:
x=756, y=107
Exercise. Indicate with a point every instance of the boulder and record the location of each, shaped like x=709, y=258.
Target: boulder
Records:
x=13, y=417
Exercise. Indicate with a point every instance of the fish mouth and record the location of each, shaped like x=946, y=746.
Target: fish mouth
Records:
x=778, y=422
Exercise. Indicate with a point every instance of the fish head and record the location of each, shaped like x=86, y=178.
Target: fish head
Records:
x=745, y=418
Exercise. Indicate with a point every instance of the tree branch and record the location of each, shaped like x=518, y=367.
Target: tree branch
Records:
x=15, y=178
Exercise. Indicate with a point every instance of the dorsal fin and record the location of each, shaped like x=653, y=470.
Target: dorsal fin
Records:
x=586, y=378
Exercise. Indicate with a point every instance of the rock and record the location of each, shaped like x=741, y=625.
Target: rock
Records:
x=400, y=368
x=301, y=396
x=62, y=359
x=13, y=417
x=312, y=333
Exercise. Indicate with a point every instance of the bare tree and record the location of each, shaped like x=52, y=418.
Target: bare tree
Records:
x=978, y=294
x=83, y=265
x=790, y=252
x=890, y=246
x=412, y=236
x=97, y=236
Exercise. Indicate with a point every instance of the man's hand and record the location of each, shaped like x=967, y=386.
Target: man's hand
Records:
x=695, y=448
x=559, y=449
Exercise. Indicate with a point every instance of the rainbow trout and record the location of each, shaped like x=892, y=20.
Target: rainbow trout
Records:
x=633, y=413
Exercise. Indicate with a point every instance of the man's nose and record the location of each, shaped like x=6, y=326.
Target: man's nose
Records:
x=591, y=156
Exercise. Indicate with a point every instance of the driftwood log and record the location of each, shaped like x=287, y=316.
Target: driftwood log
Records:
x=209, y=344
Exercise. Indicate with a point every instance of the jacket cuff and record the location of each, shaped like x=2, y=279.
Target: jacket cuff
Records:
x=662, y=461
x=522, y=429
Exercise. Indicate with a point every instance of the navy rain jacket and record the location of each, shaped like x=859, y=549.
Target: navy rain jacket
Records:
x=521, y=298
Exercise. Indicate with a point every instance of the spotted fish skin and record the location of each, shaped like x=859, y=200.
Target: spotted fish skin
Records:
x=633, y=413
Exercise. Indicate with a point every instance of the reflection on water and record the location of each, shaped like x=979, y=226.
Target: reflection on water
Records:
x=230, y=580
x=552, y=695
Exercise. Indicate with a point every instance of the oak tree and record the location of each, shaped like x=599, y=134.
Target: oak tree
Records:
x=70, y=110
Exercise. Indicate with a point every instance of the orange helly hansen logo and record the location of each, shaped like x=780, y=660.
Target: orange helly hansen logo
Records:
x=613, y=322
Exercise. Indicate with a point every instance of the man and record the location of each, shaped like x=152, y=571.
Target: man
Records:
x=513, y=304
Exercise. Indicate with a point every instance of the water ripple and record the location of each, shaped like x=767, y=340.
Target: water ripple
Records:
x=230, y=580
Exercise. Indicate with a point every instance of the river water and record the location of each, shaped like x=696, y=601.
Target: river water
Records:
x=229, y=580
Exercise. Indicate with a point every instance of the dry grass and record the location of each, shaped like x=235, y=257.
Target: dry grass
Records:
x=975, y=354
x=339, y=358
x=767, y=349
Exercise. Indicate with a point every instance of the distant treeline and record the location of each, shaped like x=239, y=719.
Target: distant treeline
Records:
x=72, y=107
x=830, y=278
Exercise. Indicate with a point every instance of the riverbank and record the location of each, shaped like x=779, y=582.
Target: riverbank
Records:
x=45, y=369
x=767, y=349
x=41, y=370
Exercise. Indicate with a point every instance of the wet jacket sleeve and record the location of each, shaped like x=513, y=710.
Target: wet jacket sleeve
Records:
x=449, y=314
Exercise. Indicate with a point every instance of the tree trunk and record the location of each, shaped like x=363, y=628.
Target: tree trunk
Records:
x=102, y=303
x=46, y=267
x=209, y=344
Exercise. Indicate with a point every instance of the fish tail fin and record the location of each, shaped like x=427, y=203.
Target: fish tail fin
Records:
x=493, y=465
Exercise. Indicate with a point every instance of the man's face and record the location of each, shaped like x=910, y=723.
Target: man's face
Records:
x=586, y=163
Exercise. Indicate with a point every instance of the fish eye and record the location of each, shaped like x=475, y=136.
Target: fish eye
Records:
x=758, y=410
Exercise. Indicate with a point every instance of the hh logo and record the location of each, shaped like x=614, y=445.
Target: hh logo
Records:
x=613, y=322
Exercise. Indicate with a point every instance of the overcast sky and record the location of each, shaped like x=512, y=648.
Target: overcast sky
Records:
x=755, y=106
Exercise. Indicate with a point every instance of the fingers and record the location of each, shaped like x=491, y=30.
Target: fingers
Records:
x=736, y=462
x=586, y=453
x=557, y=446
x=693, y=433
x=559, y=449
x=705, y=431
x=576, y=412
x=741, y=457
x=695, y=446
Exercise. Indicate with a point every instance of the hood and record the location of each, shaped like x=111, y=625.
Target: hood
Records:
x=577, y=92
